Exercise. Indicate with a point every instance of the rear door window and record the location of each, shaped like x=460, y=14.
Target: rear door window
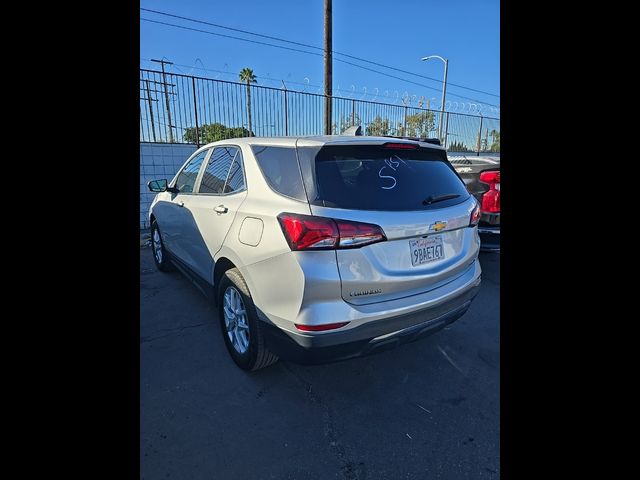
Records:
x=224, y=172
x=373, y=177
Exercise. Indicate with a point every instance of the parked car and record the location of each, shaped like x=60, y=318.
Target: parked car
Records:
x=320, y=248
x=481, y=175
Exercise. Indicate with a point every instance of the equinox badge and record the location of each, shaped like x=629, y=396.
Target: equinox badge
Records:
x=365, y=292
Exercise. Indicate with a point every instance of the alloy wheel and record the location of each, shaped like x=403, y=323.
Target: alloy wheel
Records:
x=235, y=320
x=157, y=245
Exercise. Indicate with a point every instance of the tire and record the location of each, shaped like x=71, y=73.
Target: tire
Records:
x=159, y=253
x=245, y=342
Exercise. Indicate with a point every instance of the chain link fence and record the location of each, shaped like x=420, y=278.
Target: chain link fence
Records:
x=176, y=108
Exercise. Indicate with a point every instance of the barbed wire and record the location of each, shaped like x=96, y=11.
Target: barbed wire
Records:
x=408, y=99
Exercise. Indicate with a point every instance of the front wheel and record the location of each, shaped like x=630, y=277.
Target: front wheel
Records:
x=241, y=327
x=159, y=252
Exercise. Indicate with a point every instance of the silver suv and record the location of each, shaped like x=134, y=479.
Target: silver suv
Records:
x=320, y=248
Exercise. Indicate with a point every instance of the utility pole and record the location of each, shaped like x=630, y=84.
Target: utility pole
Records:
x=286, y=112
x=328, y=66
x=480, y=136
x=166, y=95
x=153, y=127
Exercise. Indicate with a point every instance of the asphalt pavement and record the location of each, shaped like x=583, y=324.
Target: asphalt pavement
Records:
x=426, y=410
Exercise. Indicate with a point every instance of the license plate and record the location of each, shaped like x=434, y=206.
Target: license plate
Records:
x=426, y=250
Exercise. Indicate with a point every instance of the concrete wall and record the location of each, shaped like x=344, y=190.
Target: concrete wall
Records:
x=158, y=160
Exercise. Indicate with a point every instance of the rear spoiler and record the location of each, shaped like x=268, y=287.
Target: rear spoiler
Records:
x=434, y=141
x=356, y=131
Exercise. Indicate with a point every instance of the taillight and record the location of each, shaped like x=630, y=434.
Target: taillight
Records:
x=355, y=234
x=491, y=199
x=320, y=328
x=474, y=218
x=307, y=232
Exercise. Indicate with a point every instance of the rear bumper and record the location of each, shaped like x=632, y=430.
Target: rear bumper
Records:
x=371, y=337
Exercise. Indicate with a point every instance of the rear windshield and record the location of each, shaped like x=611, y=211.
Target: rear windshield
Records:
x=372, y=177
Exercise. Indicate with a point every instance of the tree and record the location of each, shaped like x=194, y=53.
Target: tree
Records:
x=345, y=122
x=378, y=126
x=420, y=124
x=212, y=132
x=495, y=144
x=247, y=76
x=458, y=147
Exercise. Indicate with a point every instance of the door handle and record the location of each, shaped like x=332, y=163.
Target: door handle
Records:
x=221, y=209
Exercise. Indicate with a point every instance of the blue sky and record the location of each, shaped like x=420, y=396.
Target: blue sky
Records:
x=467, y=32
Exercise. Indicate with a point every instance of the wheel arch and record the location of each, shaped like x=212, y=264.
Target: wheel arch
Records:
x=222, y=265
x=225, y=259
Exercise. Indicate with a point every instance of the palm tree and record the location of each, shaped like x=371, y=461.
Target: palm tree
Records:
x=495, y=144
x=247, y=76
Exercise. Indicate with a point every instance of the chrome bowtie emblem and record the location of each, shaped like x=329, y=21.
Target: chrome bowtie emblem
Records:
x=437, y=226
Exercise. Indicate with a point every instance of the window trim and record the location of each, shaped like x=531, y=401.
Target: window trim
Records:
x=244, y=176
x=197, y=181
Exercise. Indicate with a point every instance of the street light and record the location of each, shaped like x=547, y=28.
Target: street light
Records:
x=444, y=85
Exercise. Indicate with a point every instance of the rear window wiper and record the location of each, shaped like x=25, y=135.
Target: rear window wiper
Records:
x=431, y=199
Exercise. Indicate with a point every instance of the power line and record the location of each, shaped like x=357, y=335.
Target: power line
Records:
x=229, y=36
x=312, y=53
x=316, y=48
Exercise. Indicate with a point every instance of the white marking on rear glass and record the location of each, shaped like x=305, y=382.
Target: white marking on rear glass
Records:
x=395, y=182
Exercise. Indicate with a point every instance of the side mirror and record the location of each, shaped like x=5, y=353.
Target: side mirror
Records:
x=158, y=185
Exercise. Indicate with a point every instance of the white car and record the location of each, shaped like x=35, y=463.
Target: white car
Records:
x=320, y=248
